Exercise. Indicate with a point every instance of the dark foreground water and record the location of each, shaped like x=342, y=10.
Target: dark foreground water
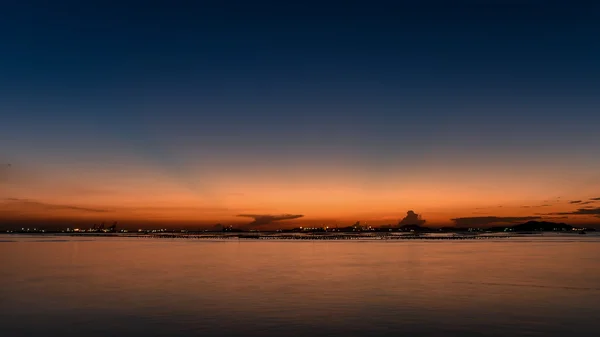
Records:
x=55, y=286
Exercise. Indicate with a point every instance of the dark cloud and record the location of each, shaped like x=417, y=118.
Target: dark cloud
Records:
x=264, y=219
x=46, y=206
x=556, y=217
x=581, y=211
x=411, y=218
x=595, y=199
x=587, y=202
x=490, y=220
x=525, y=206
x=575, y=202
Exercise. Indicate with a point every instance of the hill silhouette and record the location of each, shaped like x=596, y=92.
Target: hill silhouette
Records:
x=541, y=226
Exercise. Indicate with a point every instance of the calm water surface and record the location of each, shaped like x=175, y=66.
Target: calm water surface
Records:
x=61, y=286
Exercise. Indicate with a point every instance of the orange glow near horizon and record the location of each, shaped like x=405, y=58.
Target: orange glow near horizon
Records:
x=134, y=192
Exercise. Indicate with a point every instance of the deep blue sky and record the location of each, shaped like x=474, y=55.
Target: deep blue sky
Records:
x=375, y=84
x=285, y=67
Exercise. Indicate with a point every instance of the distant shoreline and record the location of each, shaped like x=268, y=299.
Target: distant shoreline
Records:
x=276, y=236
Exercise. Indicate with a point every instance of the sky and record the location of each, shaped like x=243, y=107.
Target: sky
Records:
x=198, y=112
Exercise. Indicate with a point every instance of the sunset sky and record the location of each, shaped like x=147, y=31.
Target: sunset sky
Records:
x=467, y=112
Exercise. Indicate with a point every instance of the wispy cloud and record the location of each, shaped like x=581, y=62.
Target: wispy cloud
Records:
x=575, y=202
x=595, y=199
x=46, y=206
x=489, y=220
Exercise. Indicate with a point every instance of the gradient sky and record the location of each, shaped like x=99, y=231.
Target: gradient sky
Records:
x=340, y=111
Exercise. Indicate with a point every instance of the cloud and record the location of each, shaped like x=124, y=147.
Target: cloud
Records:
x=581, y=211
x=411, y=218
x=51, y=207
x=264, y=219
x=555, y=217
x=489, y=220
x=595, y=199
x=537, y=206
x=575, y=202
x=587, y=202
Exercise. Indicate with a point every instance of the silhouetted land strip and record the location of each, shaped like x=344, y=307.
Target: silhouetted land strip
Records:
x=388, y=232
x=267, y=236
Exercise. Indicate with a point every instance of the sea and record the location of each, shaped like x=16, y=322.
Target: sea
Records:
x=531, y=285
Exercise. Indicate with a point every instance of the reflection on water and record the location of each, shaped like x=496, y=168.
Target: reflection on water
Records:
x=60, y=286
